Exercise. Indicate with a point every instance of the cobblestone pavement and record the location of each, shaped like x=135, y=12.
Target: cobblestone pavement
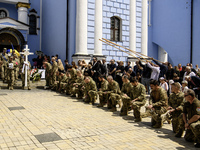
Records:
x=42, y=119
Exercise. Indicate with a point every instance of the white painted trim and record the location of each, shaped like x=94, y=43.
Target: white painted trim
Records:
x=5, y=11
x=14, y=1
x=98, y=27
x=16, y=25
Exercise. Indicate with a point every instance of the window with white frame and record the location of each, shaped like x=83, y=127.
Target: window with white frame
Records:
x=115, y=30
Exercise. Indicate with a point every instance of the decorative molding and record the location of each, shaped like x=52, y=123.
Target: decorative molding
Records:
x=26, y=5
x=9, y=22
x=5, y=11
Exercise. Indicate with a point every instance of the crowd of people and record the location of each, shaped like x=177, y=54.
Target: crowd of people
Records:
x=174, y=91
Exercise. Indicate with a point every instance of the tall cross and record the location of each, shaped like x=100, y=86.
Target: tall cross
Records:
x=26, y=53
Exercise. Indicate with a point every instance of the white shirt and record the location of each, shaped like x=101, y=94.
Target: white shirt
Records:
x=164, y=86
x=155, y=71
x=191, y=74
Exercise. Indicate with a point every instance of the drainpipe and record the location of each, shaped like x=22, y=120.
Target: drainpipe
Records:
x=191, y=39
x=67, y=26
x=40, y=25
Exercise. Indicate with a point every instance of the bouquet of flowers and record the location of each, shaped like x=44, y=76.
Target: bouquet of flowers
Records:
x=35, y=75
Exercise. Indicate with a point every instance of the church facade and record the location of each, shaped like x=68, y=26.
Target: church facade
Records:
x=72, y=28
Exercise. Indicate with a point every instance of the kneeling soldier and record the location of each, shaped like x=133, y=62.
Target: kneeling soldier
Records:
x=191, y=118
x=104, y=87
x=157, y=103
x=138, y=98
x=90, y=90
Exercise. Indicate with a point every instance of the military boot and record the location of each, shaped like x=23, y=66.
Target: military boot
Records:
x=114, y=109
x=179, y=133
x=138, y=119
x=158, y=125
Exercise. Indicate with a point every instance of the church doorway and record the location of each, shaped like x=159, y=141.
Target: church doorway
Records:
x=11, y=38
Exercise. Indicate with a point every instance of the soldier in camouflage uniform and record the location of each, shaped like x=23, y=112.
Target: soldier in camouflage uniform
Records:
x=54, y=70
x=48, y=68
x=4, y=60
x=157, y=103
x=16, y=61
x=56, y=84
x=138, y=97
x=90, y=90
x=78, y=85
x=10, y=72
x=62, y=80
x=112, y=92
x=104, y=87
x=125, y=95
x=176, y=101
x=191, y=118
x=23, y=74
x=72, y=80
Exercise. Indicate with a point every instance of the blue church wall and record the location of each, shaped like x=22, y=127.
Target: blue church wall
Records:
x=11, y=9
x=171, y=28
x=196, y=32
x=54, y=28
x=34, y=40
x=72, y=29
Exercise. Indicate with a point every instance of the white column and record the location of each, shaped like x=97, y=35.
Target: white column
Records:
x=144, y=48
x=162, y=54
x=98, y=27
x=23, y=14
x=81, y=28
x=132, y=20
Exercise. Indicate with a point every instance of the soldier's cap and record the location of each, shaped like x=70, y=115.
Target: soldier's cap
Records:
x=184, y=82
x=10, y=57
x=4, y=48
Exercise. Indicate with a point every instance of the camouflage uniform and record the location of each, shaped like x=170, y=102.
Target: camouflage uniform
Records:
x=90, y=92
x=4, y=59
x=177, y=101
x=102, y=96
x=158, y=99
x=62, y=81
x=78, y=86
x=112, y=93
x=48, y=74
x=55, y=85
x=192, y=134
x=11, y=74
x=28, y=76
x=126, y=89
x=72, y=80
x=16, y=61
x=139, y=92
x=53, y=71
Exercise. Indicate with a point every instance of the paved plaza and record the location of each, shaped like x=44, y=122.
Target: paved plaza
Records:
x=43, y=119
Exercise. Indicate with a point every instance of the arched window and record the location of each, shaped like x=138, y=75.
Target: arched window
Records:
x=3, y=13
x=115, y=30
x=33, y=24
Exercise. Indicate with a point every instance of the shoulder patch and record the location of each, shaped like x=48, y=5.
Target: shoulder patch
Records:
x=198, y=109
